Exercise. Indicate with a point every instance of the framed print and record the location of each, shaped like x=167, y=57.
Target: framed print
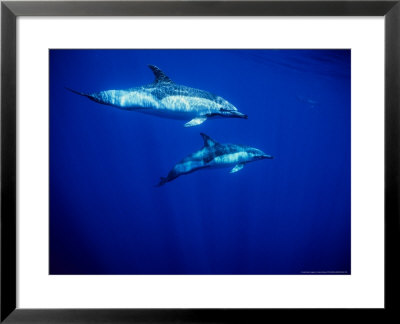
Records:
x=157, y=167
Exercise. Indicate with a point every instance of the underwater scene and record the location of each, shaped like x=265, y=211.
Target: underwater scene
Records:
x=200, y=162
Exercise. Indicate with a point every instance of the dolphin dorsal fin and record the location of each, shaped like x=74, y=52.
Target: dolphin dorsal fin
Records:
x=208, y=141
x=160, y=75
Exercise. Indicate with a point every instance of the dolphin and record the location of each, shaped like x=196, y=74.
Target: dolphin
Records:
x=215, y=155
x=164, y=98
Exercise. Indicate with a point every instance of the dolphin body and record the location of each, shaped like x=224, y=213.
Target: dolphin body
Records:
x=167, y=99
x=215, y=155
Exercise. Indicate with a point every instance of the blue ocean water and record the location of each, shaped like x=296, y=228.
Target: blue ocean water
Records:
x=289, y=215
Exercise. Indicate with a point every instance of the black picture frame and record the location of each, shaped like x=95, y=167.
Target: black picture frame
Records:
x=10, y=10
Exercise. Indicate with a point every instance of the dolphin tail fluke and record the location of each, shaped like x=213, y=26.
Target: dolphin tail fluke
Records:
x=162, y=182
x=77, y=92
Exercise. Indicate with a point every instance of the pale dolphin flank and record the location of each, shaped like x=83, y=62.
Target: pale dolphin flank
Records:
x=215, y=155
x=167, y=99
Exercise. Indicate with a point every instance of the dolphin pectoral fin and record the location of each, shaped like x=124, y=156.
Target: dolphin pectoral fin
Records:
x=237, y=168
x=196, y=121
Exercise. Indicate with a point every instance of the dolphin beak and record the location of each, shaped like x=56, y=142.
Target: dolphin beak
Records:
x=266, y=156
x=240, y=115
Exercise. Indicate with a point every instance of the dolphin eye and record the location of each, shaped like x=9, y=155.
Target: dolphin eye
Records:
x=224, y=109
